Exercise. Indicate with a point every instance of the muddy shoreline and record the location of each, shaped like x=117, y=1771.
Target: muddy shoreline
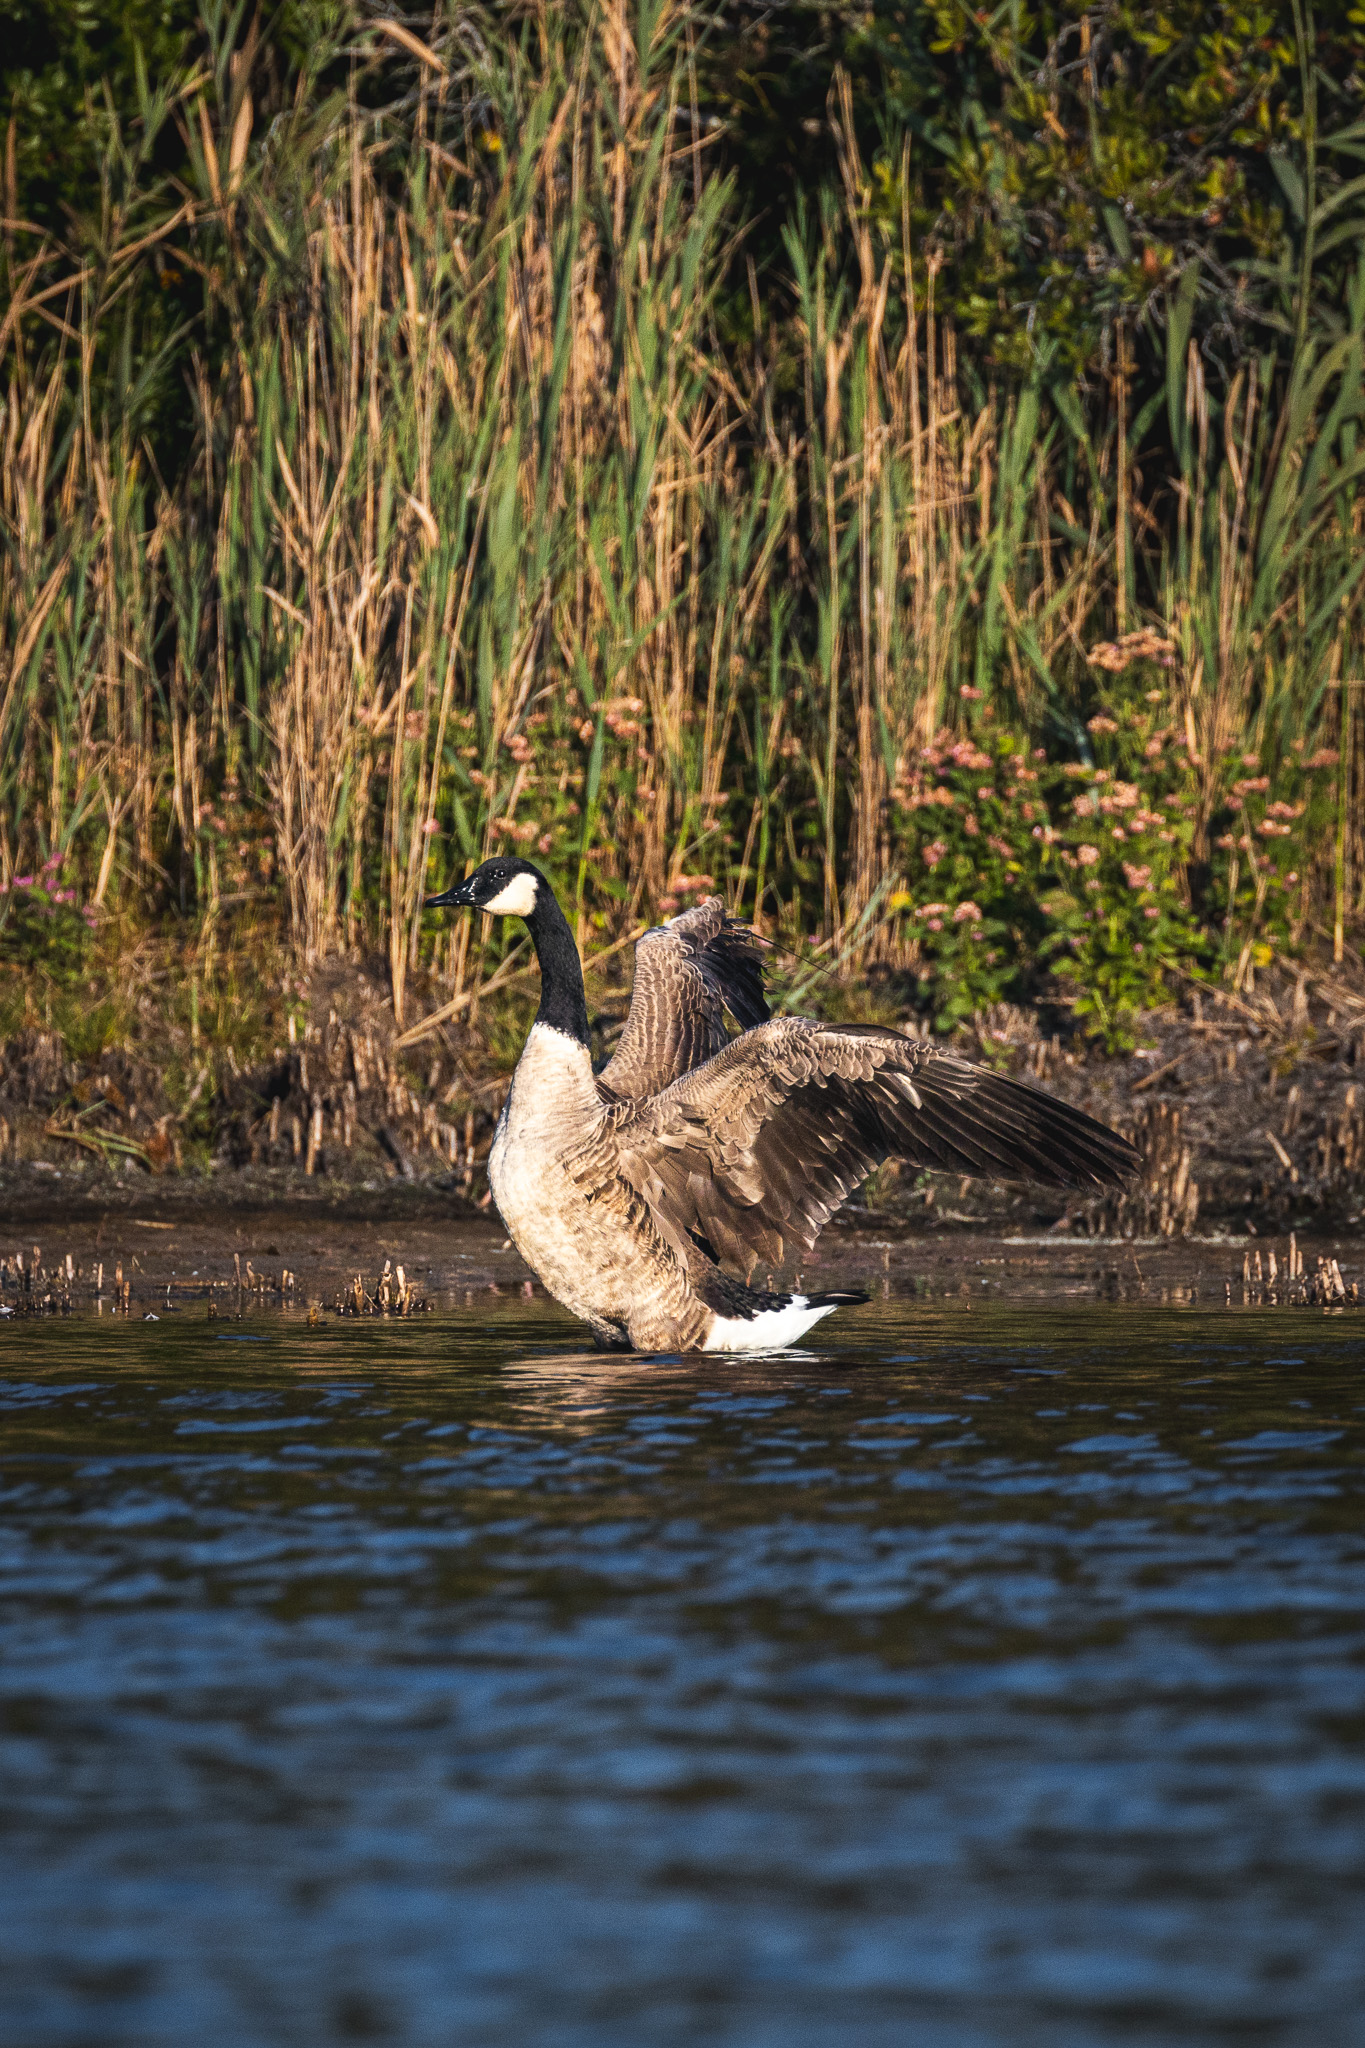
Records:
x=1249, y=1110
x=241, y=1259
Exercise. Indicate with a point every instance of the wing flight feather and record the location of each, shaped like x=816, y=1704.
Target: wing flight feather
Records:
x=754, y=1150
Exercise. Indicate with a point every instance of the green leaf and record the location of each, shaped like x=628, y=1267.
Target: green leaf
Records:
x=1290, y=181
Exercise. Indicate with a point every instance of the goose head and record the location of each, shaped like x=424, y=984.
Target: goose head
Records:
x=503, y=887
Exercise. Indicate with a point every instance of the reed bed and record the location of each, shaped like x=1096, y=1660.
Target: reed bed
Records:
x=485, y=531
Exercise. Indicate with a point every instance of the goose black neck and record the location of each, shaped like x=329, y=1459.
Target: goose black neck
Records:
x=563, y=1004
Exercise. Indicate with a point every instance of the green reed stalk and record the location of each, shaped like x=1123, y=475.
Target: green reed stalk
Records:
x=488, y=536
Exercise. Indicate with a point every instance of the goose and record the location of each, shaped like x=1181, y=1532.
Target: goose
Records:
x=643, y=1196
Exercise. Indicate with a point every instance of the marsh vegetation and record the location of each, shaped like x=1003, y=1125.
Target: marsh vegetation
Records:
x=439, y=437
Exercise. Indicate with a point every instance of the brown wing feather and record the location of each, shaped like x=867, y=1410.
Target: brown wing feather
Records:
x=755, y=1150
x=687, y=973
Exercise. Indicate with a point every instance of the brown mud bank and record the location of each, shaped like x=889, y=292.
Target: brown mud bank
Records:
x=1248, y=1108
x=241, y=1261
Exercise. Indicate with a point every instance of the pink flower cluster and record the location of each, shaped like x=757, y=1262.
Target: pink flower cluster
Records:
x=948, y=750
x=934, y=914
x=44, y=878
x=625, y=727
x=1124, y=796
x=680, y=888
x=1144, y=645
x=50, y=896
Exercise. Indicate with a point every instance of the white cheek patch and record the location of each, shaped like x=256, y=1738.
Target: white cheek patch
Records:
x=518, y=899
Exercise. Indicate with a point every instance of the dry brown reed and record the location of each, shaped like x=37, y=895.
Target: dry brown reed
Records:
x=485, y=539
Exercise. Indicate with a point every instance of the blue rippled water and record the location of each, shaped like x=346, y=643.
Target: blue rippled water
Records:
x=990, y=1677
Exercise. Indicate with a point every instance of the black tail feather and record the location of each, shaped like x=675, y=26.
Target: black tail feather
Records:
x=730, y=1297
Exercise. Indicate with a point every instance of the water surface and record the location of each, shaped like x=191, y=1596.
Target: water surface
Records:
x=991, y=1675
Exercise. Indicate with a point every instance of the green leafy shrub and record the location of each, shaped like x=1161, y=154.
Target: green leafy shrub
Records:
x=1112, y=874
x=40, y=926
x=968, y=813
x=1063, y=163
x=1117, y=861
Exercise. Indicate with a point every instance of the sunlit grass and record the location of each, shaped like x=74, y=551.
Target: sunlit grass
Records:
x=488, y=542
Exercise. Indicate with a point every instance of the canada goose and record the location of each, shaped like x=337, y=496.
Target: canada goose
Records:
x=631, y=1191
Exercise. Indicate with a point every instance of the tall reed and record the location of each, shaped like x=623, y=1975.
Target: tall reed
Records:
x=491, y=534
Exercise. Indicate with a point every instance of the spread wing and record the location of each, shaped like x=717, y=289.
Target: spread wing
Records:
x=750, y=1154
x=686, y=973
